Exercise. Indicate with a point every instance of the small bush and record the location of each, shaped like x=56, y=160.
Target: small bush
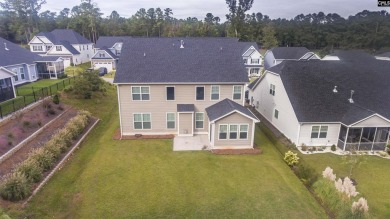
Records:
x=328, y=174
x=53, y=149
x=360, y=208
x=39, y=123
x=51, y=112
x=333, y=148
x=304, y=147
x=15, y=187
x=56, y=99
x=10, y=135
x=68, y=89
x=26, y=124
x=45, y=160
x=383, y=153
x=87, y=95
x=307, y=174
x=63, y=76
x=291, y=158
x=31, y=170
x=60, y=108
x=10, y=143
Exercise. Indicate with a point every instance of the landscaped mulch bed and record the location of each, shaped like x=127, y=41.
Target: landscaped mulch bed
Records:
x=92, y=120
x=117, y=136
x=236, y=151
x=37, y=141
x=24, y=123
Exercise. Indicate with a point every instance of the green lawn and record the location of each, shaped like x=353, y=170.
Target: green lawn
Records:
x=372, y=177
x=28, y=88
x=146, y=179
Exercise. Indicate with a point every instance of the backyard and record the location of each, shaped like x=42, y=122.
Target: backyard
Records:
x=145, y=178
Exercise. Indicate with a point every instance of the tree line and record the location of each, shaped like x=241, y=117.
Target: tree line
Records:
x=21, y=20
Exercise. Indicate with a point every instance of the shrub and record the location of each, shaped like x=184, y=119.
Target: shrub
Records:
x=304, y=147
x=39, y=123
x=68, y=89
x=360, y=208
x=15, y=187
x=56, y=99
x=31, y=170
x=51, y=112
x=10, y=135
x=291, y=158
x=63, y=76
x=45, y=160
x=53, y=149
x=26, y=124
x=328, y=174
x=10, y=143
x=383, y=153
x=307, y=174
x=333, y=148
x=60, y=108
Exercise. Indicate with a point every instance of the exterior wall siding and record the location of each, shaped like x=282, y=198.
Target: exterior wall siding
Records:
x=28, y=71
x=374, y=121
x=158, y=106
x=331, y=137
x=233, y=119
x=287, y=122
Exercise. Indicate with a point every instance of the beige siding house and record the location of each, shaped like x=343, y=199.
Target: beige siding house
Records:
x=162, y=91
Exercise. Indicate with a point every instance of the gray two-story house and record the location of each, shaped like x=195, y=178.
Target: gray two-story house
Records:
x=185, y=87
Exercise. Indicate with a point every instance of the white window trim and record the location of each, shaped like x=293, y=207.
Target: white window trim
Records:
x=199, y=120
x=142, y=116
x=150, y=96
x=240, y=92
x=211, y=92
x=174, y=121
x=204, y=93
x=319, y=131
x=166, y=93
x=238, y=131
x=273, y=90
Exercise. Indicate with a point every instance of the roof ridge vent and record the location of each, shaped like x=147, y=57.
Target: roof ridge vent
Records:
x=5, y=46
x=350, y=99
x=335, y=89
x=181, y=44
x=144, y=54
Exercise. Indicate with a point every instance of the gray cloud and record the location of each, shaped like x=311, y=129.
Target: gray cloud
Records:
x=198, y=8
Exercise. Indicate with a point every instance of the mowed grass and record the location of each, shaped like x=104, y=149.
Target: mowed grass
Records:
x=146, y=179
x=372, y=177
x=76, y=70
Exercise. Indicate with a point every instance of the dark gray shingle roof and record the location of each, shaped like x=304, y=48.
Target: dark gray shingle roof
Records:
x=109, y=41
x=309, y=86
x=15, y=54
x=58, y=35
x=385, y=54
x=225, y=107
x=69, y=47
x=107, y=51
x=185, y=108
x=247, y=45
x=289, y=52
x=161, y=60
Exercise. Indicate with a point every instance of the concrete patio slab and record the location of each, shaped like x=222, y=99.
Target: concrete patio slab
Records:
x=190, y=143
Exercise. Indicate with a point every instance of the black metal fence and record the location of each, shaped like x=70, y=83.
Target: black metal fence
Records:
x=29, y=95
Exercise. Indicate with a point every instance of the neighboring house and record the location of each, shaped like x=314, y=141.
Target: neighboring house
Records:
x=185, y=87
x=104, y=58
x=253, y=60
x=7, y=89
x=328, y=102
x=65, y=43
x=383, y=56
x=276, y=55
x=107, y=52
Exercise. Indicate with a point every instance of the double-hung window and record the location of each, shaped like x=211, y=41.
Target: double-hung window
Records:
x=254, y=71
x=170, y=93
x=319, y=131
x=199, y=93
x=223, y=131
x=237, y=92
x=14, y=70
x=272, y=89
x=58, y=48
x=276, y=114
x=233, y=131
x=255, y=61
x=140, y=93
x=21, y=70
x=243, y=131
x=199, y=120
x=170, y=120
x=142, y=121
x=214, y=92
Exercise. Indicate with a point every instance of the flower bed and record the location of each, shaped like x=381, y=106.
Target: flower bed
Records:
x=18, y=184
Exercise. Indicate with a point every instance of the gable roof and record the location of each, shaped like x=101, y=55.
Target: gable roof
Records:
x=109, y=41
x=289, y=52
x=69, y=47
x=247, y=45
x=15, y=54
x=161, y=60
x=58, y=35
x=226, y=107
x=352, y=55
x=309, y=86
x=108, y=51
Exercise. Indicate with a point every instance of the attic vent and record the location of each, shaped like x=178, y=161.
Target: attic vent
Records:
x=335, y=89
x=144, y=54
x=350, y=99
x=5, y=46
x=173, y=44
x=221, y=47
x=181, y=44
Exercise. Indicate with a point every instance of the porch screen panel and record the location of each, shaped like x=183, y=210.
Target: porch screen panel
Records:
x=367, y=139
x=6, y=90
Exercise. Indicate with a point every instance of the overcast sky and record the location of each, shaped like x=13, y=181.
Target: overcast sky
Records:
x=198, y=8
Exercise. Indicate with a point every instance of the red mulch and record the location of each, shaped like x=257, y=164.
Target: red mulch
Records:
x=236, y=151
x=117, y=136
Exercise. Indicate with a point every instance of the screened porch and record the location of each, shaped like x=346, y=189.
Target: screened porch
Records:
x=363, y=138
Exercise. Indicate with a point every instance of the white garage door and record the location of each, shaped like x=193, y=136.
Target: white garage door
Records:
x=107, y=65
